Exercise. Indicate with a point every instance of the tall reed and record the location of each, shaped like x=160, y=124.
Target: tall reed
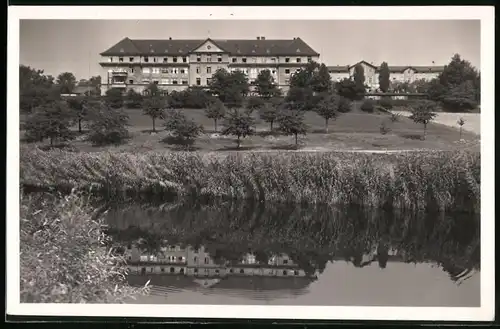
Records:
x=414, y=181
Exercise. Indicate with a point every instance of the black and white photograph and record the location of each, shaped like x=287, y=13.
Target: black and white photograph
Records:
x=225, y=163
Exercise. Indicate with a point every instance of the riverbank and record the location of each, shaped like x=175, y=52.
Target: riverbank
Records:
x=413, y=181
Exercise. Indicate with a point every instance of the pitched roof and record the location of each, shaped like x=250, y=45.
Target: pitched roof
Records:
x=257, y=47
x=398, y=69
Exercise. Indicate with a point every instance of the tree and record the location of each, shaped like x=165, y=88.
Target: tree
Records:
x=95, y=82
x=457, y=72
x=254, y=103
x=184, y=130
x=230, y=88
x=328, y=108
x=265, y=85
x=321, y=80
x=300, y=98
x=107, y=125
x=35, y=88
x=79, y=107
x=291, y=122
x=423, y=113
x=133, y=99
x=461, y=122
x=152, y=90
x=154, y=107
x=269, y=114
x=304, y=78
x=239, y=125
x=349, y=89
x=51, y=120
x=461, y=97
x=215, y=111
x=384, y=80
x=66, y=82
x=114, y=98
x=359, y=80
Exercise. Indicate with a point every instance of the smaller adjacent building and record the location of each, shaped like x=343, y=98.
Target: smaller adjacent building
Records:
x=408, y=73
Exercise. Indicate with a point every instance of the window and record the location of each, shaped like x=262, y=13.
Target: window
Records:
x=209, y=69
x=120, y=59
x=273, y=59
x=285, y=261
x=131, y=59
x=164, y=81
x=129, y=247
x=244, y=60
x=184, y=82
x=197, y=71
x=175, y=59
x=198, y=58
x=184, y=59
x=180, y=258
x=195, y=259
x=156, y=70
x=181, y=270
x=195, y=270
x=206, y=260
x=287, y=71
x=131, y=82
x=287, y=60
x=146, y=70
x=131, y=70
x=273, y=71
x=129, y=257
x=234, y=60
x=146, y=81
x=174, y=82
x=155, y=59
x=163, y=269
x=164, y=70
x=155, y=82
x=151, y=270
x=296, y=272
x=165, y=59
x=298, y=59
x=198, y=81
x=175, y=71
x=172, y=270
x=216, y=271
x=284, y=272
x=110, y=59
x=183, y=71
x=209, y=58
x=242, y=271
x=309, y=59
x=231, y=271
x=146, y=59
x=254, y=59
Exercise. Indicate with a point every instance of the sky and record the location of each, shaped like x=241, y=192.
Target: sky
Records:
x=74, y=45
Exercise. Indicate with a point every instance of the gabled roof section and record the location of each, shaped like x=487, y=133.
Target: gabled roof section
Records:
x=366, y=63
x=235, y=47
x=209, y=41
x=124, y=47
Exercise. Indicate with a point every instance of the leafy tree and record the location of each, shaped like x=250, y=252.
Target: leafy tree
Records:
x=114, y=98
x=291, y=122
x=79, y=107
x=265, y=85
x=359, y=80
x=300, y=99
x=230, y=88
x=154, y=107
x=423, y=112
x=349, y=89
x=215, y=111
x=35, y=88
x=461, y=97
x=66, y=82
x=328, y=108
x=304, y=78
x=51, y=120
x=268, y=113
x=321, y=80
x=457, y=72
x=107, y=125
x=345, y=105
x=95, y=82
x=461, y=122
x=133, y=99
x=195, y=98
x=152, y=90
x=253, y=102
x=384, y=77
x=239, y=125
x=184, y=130
x=368, y=106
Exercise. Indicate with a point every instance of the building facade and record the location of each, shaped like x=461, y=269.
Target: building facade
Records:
x=177, y=64
x=397, y=73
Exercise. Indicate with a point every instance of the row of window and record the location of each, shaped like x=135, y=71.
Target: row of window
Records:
x=198, y=59
x=157, y=70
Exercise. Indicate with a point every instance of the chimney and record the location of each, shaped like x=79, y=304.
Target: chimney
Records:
x=258, y=38
x=169, y=38
x=262, y=38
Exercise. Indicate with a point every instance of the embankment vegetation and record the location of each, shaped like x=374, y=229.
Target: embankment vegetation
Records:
x=413, y=181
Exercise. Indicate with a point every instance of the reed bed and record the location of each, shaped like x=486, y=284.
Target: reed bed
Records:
x=436, y=180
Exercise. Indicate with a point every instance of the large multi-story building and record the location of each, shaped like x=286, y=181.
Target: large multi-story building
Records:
x=176, y=64
x=407, y=73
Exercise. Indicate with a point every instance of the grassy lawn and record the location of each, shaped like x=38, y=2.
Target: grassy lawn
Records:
x=351, y=131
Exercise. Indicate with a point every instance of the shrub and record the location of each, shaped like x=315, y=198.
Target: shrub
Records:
x=133, y=99
x=108, y=126
x=184, y=131
x=368, y=106
x=52, y=121
x=65, y=257
x=386, y=103
x=114, y=98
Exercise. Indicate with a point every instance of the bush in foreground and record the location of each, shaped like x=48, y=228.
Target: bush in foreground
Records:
x=414, y=181
x=65, y=257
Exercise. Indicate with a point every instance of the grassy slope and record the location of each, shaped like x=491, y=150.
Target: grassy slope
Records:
x=355, y=130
